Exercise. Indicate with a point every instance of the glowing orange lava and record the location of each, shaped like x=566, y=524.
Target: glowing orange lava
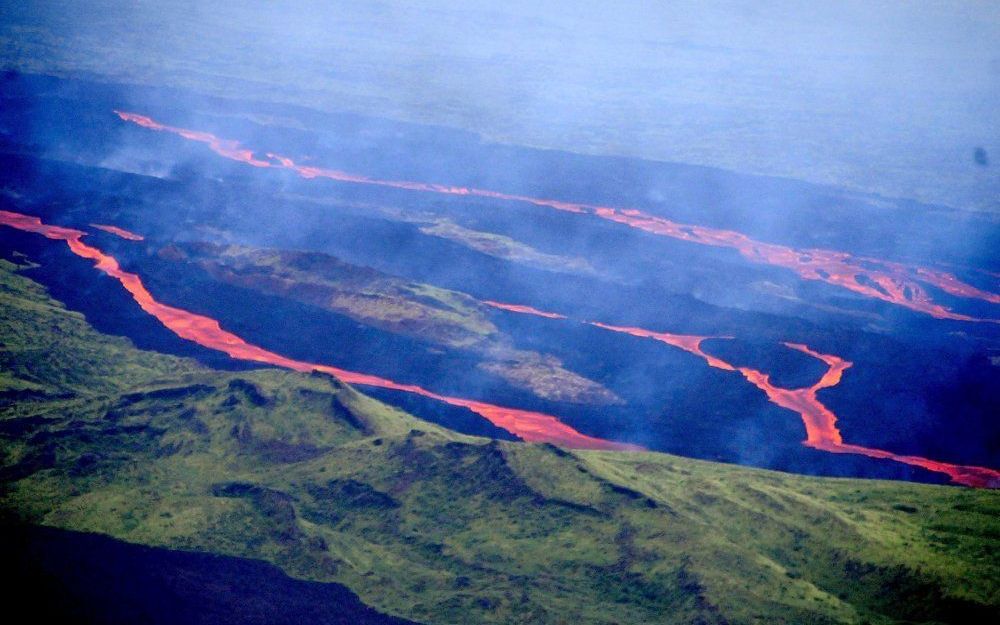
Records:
x=121, y=232
x=688, y=343
x=527, y=310
x=820, y=422
x=223, y=147
x=888, y=281
x=530, y=426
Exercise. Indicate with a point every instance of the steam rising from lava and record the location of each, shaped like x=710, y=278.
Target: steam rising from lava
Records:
x=820, y=422
x=530, y=426
x=888, y=281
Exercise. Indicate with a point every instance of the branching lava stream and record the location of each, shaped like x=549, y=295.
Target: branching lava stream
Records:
x=820, y=422
x=887, y=281
x=530, y=426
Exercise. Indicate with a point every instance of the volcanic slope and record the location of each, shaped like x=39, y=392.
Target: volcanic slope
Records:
x=308, y=474
x=442, y=318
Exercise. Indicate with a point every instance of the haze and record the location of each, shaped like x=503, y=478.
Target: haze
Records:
x=885, y=97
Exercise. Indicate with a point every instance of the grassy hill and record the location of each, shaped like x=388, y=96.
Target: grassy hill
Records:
x=331, y=485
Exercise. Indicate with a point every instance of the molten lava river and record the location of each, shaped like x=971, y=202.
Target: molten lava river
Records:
x=530, y=426
x=888, y=281
x=820, y=422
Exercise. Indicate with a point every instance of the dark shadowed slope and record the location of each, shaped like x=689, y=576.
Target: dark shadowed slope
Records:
x=90, y=579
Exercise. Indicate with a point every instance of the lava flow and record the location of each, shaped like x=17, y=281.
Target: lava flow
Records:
x=888, y=281
x=525, y=310
x=120, y=232
x=820, y=422
x=205, y=331
x=687, y=342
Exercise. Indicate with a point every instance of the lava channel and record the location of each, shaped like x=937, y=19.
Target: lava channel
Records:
x=524, y=310
x=205, y=331
x=119, y=232
x=820, y=422
x=888, y=281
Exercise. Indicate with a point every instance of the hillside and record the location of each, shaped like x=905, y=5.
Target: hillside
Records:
x=440, y=319
x=330, y=485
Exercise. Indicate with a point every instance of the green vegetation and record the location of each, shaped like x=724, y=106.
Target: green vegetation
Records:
x=506, y=248
x=446, y=318
x=48, y=352
x=328, y=484
x=545, y=377
x=362, y=293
